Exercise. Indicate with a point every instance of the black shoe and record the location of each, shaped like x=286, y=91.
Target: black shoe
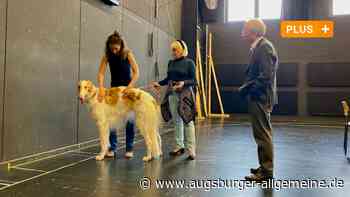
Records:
x=255, y=170
x=258, y=177
x=190, y=158
x=177, y=152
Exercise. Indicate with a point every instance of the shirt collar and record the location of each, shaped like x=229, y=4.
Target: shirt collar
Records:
x=255, y=43
x=179, y=59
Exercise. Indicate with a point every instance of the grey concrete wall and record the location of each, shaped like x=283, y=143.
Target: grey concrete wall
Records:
x=97, y=22
x=169, y=13
x=51, y=45
x=3, y=5
x=41, y=74
x=230, y=52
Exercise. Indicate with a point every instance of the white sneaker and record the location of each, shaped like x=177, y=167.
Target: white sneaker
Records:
x=129, y=155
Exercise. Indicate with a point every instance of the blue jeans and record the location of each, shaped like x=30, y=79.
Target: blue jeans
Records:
x=129, y=137
x=185, y=136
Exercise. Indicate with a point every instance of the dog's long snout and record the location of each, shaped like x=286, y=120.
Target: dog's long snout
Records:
x=81, y=99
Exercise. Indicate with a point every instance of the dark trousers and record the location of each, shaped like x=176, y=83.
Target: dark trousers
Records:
x=129, y=137
x=262, y=131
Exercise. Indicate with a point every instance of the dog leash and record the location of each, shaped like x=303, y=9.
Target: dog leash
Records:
x=151, y=90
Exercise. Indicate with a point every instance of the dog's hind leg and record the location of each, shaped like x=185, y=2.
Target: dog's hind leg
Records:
x=143, y=127
x=103, y=130
x=156, y=152
x=148, y=156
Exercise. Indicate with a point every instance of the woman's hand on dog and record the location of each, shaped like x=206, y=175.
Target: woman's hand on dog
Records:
x=101, y=95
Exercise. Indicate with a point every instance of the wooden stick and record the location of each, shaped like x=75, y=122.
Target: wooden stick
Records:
x=201, y=82
x=219, y=115
x=209, y=74
x=218, y=94
x=207, y=66
x=198, y=100
x=198, y=106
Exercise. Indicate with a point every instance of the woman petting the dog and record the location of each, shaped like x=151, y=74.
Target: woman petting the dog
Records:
x=179, y=103
x=124, y=72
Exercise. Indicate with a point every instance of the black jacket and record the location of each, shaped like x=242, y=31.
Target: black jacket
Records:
x=182, y=69
x=260, y=83
x=187, y=105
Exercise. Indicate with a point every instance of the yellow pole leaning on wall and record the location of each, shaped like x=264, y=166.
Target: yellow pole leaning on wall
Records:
x=211, y=72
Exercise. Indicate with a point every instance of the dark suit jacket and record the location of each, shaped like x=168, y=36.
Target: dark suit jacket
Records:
x=260, y=83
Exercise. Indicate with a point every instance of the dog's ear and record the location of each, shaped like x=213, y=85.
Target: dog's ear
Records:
x=90, y=86
x=79, y=86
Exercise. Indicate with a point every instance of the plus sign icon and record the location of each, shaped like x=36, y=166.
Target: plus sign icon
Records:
x=307, y=29
x=325, y=29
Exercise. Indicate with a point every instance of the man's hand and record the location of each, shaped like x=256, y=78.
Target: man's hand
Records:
x=101, y=94
x=243, y=90
x=178, y=85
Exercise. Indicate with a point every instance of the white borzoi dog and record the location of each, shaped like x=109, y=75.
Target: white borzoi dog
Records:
x=116, y=108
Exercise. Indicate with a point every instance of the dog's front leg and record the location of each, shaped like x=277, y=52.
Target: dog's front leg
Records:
x=160, y=144
x=103, y=131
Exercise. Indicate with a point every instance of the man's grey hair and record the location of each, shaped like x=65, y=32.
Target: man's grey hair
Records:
x=257, y=26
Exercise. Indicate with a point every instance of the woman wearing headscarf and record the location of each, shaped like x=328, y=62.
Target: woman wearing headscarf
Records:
x=179, y=102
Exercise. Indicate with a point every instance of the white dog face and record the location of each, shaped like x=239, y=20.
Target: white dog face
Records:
x=86, y=90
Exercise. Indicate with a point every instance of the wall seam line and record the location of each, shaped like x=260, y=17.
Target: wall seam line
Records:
x=79, y=65
x=4, y=87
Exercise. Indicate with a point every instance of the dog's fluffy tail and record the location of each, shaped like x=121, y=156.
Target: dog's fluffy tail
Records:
x=155, y=135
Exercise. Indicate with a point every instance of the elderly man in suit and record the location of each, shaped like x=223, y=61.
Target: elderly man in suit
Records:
x=261, y=92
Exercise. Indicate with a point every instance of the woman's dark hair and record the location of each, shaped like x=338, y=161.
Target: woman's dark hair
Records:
x=116, y=38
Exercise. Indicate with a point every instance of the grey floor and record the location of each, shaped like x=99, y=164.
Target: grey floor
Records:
x=226, y=150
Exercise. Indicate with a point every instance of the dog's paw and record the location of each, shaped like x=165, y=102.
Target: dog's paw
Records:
x=99, y=157
x=157, y=157
x=147, y=158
